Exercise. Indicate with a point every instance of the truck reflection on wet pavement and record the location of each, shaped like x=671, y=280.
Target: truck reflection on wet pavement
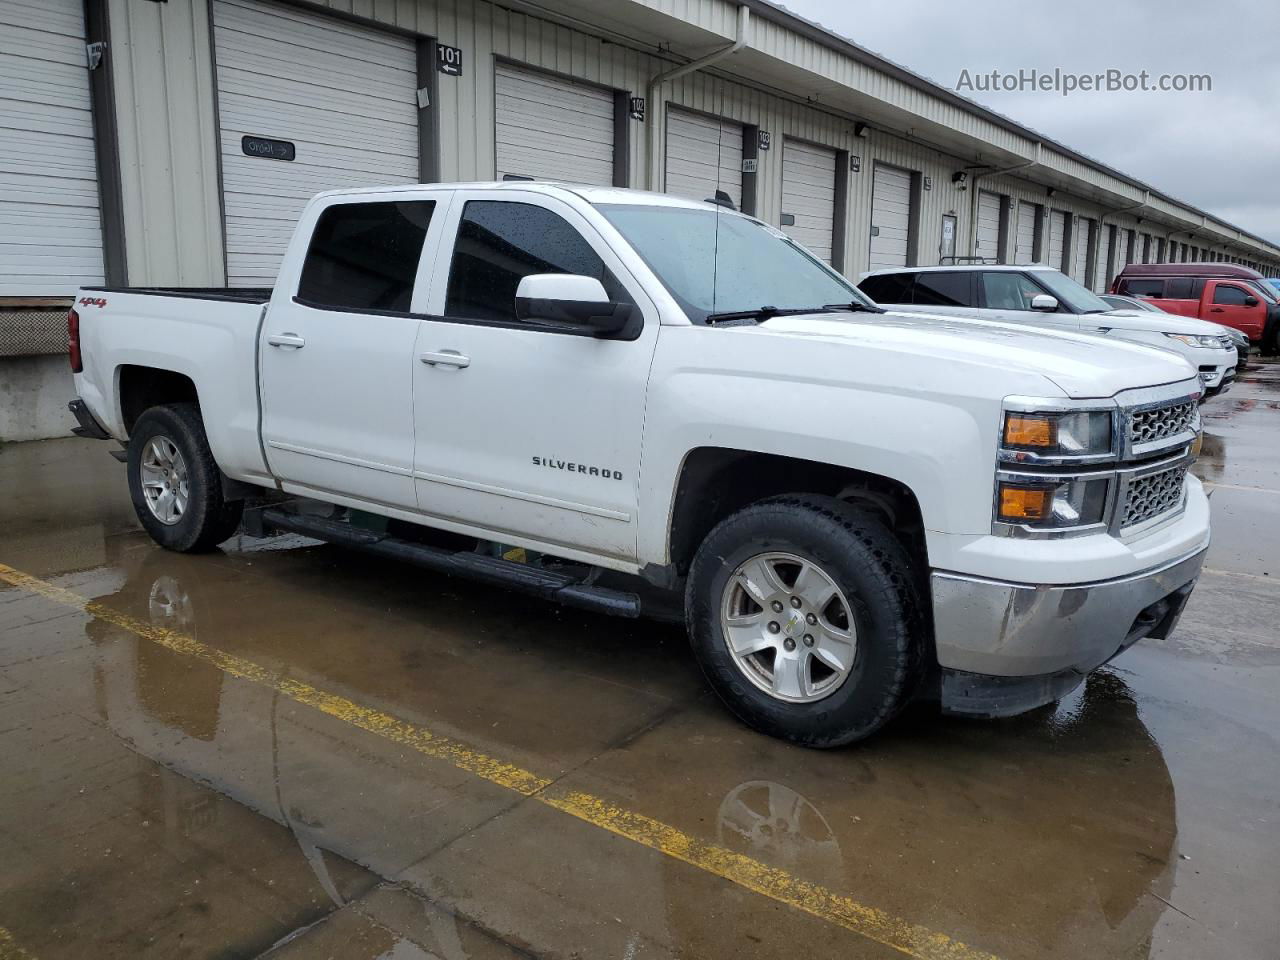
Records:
x=156, y=804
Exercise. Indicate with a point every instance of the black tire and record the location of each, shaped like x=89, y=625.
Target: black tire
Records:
x=875, y=573
x=209, y=518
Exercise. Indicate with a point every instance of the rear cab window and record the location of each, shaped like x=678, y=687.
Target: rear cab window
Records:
x=364, y=256
x=1143, y=288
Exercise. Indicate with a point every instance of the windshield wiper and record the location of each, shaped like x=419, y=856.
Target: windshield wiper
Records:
x=759, y=314
x=855, y=306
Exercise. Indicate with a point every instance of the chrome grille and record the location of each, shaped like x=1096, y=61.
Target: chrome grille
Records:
x=1150, y=496
x=1158, y=423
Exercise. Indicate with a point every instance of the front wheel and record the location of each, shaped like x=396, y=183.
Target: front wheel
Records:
x=175, y=484
x=804, y=616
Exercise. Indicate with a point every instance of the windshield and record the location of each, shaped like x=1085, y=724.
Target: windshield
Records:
x=743, y=266
x=1264, y=289
x=1074, y=296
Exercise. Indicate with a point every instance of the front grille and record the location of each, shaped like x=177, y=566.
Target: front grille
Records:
x=1159, y=423
x=1150, y=496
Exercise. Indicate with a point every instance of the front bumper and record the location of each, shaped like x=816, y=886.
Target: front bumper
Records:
x=1005, y=648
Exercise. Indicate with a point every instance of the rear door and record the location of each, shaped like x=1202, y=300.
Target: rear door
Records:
x=337, y=350
x=529, y=434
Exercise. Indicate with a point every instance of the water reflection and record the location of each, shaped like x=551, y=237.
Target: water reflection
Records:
x=1042, y=836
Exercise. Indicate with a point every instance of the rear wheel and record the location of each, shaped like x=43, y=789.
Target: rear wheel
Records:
x=175, y=484
x=804, y=616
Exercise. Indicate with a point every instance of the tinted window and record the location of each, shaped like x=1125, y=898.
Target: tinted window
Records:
x=1008, y=291
x=942, y=289
x=1143, y=288
x=1180, y=288
x=888, y=287
x=365, y=255
x=1229, y=296
x=499, y=242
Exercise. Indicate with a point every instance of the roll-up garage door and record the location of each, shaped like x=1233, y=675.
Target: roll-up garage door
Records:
x=50, y=228
x=1080, y=240
x=551, y=128
x=1102, y=269
x=988, y=226
x=704, y=154
x=809, y=195
x=344, y=95
x=1026, y=235
x=1057, y=237
x=890, y=217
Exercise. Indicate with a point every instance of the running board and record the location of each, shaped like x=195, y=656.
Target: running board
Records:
x=548, y=584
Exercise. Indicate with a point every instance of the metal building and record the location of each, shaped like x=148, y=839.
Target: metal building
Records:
x=173, y=143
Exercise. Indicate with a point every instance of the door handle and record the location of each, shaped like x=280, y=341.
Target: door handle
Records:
x=286, y=340
x=445, y=358
x=1217, y=310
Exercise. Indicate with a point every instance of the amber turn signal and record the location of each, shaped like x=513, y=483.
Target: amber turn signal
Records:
x=1030, y=430
x=1021, y=504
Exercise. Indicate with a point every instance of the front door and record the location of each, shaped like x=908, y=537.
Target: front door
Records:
x=1007, y=294
x=1236, y=306
x=528, y=434
x=337, y=359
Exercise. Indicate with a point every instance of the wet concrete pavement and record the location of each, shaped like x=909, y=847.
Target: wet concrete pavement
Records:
x=156, y=802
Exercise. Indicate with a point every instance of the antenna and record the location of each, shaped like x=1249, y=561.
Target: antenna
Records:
x=715, y=247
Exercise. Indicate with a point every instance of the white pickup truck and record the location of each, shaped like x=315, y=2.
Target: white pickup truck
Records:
x=617, y=399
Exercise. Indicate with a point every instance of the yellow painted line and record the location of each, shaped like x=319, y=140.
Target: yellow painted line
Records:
x=811, y=898
x=9, y=949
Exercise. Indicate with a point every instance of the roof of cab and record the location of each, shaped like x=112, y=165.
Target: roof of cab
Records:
x=589, y=192
x=1233, y=270
x=953, y=268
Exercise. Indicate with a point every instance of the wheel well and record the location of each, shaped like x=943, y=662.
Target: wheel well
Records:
x=716, y=482
x=144, y=387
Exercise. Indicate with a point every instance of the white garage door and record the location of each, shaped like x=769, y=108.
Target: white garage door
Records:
x=1026, y=235
x=809, y=195
x=549, y=128
x=988, y=226
x=344, y=95
x=1080, y=240
x=1057, y=236
x=704, y=154
x=50, y=227
x=1102, y=269
x=890, y=217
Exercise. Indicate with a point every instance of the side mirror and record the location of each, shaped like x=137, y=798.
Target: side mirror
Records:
x=1044, y=303
x=1250, y=301
x=581, y=301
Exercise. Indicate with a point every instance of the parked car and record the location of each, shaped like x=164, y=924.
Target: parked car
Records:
x=850, y=508
x=1041, y=296
x=1225, y=293
x=1119, y=302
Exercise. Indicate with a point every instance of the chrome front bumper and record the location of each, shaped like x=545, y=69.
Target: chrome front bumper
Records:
x=1012, y=632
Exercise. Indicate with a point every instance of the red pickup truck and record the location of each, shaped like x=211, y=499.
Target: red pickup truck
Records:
x=1223, y=293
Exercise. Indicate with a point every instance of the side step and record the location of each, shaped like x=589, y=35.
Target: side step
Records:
x=548, y=584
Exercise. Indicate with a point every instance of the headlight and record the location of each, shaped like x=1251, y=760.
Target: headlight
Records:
x=1085, y=433
x=1197, y=341
x=1048, y=504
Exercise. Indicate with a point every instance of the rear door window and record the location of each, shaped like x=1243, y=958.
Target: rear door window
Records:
x=502, y=241
x=1142, y=288
x=364, y=256
x=1180, y=288
x=888, y=287
x=1007, y=290
x=943, y=289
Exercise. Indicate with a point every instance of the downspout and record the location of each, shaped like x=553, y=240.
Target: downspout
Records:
x=973, y=200
x=657, y=108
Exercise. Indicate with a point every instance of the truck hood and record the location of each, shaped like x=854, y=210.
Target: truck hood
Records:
x=1082, y=366
x=1157, y=323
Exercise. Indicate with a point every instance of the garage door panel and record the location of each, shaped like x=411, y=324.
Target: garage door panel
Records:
x=50, y=226
x=1057, y=236
x=1026, y=234
x=703, y=155
x=890, y=217
x=552, y=128
x=988, y=225
x=342, y=93
x=809, y=195
x=1080, y=262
